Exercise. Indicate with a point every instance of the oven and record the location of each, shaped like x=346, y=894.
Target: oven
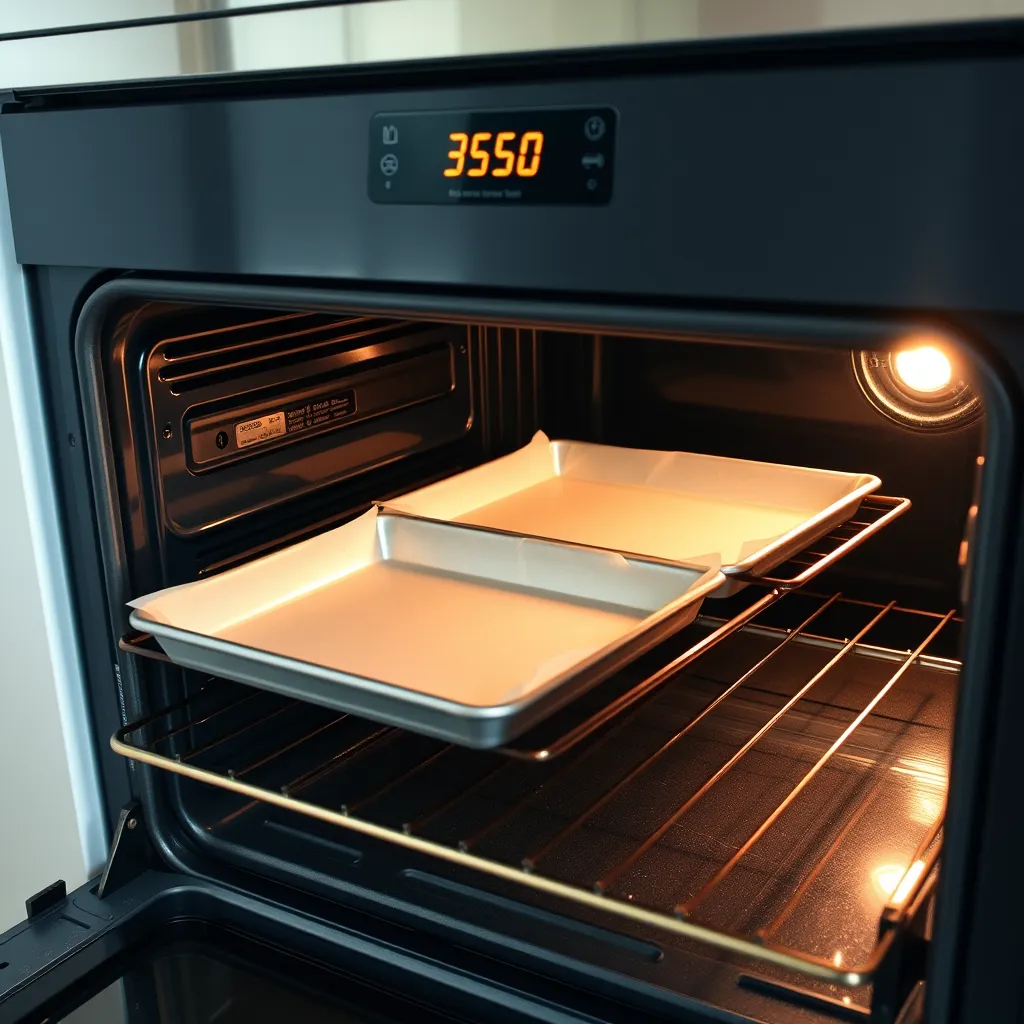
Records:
x=258, y=306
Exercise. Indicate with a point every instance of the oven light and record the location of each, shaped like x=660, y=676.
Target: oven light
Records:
x=918, y=383
x=896, y=882
x=925, y=369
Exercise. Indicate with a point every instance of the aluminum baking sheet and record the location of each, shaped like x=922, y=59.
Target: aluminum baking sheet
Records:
x=465, y=634
x=748, y=517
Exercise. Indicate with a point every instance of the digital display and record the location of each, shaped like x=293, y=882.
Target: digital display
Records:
x=510, y=157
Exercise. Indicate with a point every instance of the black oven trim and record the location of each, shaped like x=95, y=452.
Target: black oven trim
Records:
x=92, y=942
x=996, y=537
x=888, y=179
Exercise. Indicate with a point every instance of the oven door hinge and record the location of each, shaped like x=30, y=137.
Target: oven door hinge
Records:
x=896, y=991
x=130, y=852
x=913, y=1008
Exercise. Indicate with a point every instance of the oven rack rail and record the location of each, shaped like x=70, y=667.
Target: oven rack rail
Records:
x=903, y=912
x=569, y=727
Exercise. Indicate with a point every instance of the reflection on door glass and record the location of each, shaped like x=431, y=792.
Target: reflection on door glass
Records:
x=234, y=981
x=106, y=1007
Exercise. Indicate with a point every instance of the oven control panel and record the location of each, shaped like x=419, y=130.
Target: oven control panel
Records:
x=509, y=157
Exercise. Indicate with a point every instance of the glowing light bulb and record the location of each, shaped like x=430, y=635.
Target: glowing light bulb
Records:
x=923, y=368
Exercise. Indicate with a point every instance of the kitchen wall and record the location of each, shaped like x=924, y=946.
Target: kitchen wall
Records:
x=39, y=837
x=51, y=824
x=404, y=29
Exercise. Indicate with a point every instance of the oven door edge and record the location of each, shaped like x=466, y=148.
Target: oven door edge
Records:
x=78, y=944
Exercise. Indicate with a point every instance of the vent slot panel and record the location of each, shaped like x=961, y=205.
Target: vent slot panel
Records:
x=245, y=411
x=198, y=361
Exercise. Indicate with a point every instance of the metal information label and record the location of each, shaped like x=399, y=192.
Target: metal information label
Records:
x=303, y=415
x=263, y=428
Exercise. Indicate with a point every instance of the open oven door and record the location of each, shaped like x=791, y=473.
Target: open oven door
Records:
x=139, y=944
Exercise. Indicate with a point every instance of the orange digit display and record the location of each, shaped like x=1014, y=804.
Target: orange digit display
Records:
x=506, y=162
x=458, y=155
x=534, y=140
x=479, y=154
x=501, y=153
x=509, y=157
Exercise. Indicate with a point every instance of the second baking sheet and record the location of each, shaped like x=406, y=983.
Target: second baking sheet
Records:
x=678, y=506
x=468, y=635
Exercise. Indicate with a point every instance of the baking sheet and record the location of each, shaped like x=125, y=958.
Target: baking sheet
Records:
x=746, y=516
x=465, y=634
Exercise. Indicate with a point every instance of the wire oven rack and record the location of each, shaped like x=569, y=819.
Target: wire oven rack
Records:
x=213, y=736
x=564, y=730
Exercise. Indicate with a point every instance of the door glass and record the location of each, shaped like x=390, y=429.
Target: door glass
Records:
x=106, y=1007
x=229, y=980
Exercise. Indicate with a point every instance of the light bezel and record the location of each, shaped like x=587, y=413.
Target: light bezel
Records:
x=947, y=408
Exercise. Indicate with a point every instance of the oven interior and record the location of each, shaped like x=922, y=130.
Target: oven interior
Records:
x=757, y=828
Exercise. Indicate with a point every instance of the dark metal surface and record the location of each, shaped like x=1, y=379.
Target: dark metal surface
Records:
x=86, y=942
x=740, y=203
